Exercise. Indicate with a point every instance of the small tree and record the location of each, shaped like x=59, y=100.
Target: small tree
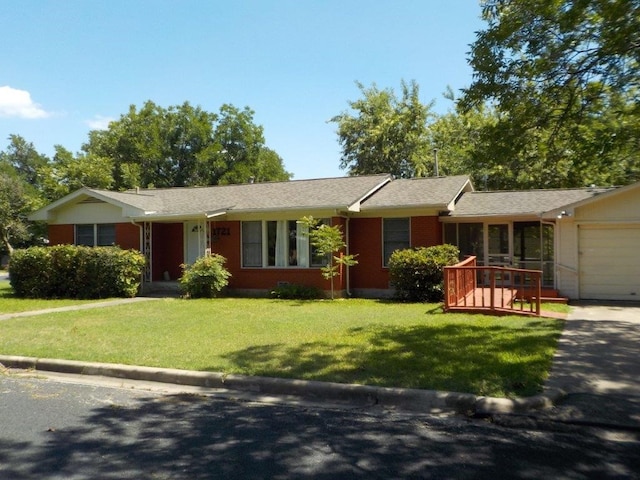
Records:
x=327, y=242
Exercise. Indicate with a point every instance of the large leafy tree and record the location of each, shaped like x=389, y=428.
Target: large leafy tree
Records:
x=20, y=166
x=385, y=134
x=68, y=172
x=17, y=200
x=181, y=146
x=22, y=158
x=564, y=79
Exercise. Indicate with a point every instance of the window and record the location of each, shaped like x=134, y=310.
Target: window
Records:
x=252, y=244
x=92, y=235
x=395, y=236
x=278, y=243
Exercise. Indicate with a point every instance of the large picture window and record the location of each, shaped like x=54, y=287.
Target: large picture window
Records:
x=96, y=235
x=278, y=243
x=395, y=236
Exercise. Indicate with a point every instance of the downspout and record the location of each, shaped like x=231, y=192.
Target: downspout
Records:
x=348, y=279
x=140, y=243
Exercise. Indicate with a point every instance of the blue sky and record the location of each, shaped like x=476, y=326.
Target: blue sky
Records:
x=67, y=66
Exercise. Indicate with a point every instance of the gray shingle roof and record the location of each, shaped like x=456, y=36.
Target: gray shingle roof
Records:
x=339, y=193
x=417, y=192
x=528, y=202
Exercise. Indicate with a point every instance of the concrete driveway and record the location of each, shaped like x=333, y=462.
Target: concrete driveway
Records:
x=598, y=363
x=599, y=351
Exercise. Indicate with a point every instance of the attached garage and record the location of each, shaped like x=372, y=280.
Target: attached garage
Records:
x=598, y=246
x=609, y=262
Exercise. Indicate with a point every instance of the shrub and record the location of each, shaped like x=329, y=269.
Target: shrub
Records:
x=296, y=292
x=417, y=273
x=205, y=278
x=67, y=271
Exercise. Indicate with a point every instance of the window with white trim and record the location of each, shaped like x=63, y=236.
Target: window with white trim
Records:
x=278, y=243
x=395, y=236
x=95, y=234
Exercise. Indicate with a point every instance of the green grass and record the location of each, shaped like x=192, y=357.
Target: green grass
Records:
x=9, y=303
x=351, y=341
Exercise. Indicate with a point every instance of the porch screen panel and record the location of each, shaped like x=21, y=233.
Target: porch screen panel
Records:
x=451, y=233
x=252, y=244
x=395, y=236
x=470, y=240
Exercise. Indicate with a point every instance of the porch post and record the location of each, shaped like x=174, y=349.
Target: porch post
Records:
x=147, y=250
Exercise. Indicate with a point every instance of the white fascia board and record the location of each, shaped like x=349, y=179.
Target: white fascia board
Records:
x=355, y=206
x=47, y=212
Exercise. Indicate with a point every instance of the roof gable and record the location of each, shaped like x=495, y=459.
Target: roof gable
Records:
x=427, y=192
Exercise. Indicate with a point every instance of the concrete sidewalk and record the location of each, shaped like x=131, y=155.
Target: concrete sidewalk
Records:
x=597, y=366
x=71, y=308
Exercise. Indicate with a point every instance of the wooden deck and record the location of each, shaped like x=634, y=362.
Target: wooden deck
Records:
x=488, y=289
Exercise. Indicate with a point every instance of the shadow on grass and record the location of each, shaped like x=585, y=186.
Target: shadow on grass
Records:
x=485, y=360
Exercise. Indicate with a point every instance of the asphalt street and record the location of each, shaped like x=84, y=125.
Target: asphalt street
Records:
x=51, y=429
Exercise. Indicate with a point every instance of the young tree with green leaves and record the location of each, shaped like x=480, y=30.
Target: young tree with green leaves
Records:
x=328, y=241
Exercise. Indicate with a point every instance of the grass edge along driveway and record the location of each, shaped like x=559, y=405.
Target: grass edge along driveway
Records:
x=359, y=341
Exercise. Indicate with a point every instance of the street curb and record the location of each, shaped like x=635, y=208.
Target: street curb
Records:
x=405, y=399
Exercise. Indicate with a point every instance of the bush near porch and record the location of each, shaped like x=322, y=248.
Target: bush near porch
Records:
x=417, y=273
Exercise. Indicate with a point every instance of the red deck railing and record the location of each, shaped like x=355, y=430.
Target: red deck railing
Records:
x=497, y=290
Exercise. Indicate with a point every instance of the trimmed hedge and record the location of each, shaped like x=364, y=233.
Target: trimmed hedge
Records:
x=205, y=278
x=68, y=271
x=417, y=273
x=296, y=292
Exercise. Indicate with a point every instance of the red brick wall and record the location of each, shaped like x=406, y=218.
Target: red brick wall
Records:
x=365, y=239
x=61, y=234
x=128, y=236
x=226, y=241
x=425, y=231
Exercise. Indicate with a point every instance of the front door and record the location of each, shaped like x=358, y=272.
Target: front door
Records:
x=195, y=241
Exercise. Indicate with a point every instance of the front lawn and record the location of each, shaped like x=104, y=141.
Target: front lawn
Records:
x=9, y=303
x=351, y=341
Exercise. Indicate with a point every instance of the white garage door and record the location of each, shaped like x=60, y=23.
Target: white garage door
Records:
x=609, y=262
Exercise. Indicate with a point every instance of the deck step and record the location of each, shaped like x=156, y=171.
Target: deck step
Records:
x=543, y=299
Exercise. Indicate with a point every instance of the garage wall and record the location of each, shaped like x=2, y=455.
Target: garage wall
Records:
x=609, y=262
x=598, y=248
x=608, y=246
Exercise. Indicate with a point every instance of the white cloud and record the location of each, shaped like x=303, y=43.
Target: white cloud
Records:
x=99, y=122
x=18, y=103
